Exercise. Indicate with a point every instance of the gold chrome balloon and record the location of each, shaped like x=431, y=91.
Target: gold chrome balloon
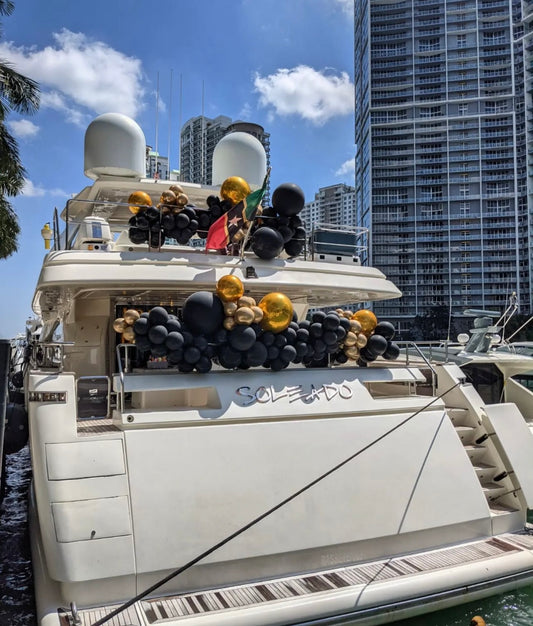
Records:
x=367, y=319
x=277, y=312
x=355, y=326
x=230, y=308
x=182, y=199
x=131, y=316
x=352, y=352
x=119, y=325
x=234, y=189
x=244, y=315
x=258, y=314
x=168, y=197
x=361, y=340
x=246, y=301
x=228, y=323
x=177, y=189
x=229, y=288
x=138, y=200
x=350, y=339
x=129, y=333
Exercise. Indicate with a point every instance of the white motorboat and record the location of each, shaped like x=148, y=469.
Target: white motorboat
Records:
x=243, y=495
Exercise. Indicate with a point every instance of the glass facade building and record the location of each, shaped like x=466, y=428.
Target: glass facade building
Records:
x=443, y=121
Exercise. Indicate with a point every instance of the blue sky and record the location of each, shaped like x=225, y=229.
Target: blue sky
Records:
x=284, y=64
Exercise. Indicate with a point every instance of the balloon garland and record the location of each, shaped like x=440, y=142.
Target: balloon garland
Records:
x=279, y=227
x=234, y=331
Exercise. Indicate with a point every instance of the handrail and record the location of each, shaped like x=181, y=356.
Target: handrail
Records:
x=416, y=348
x=121, y=372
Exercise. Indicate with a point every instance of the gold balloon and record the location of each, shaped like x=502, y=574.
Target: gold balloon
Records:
x=228, y=323
x=352, y=353
x=229, y=288
x=350, y=339
x=131, y=316
x=258, y=314
x=367, y=319
x=355, y=326
x=244, y=315
x=119, y=325
x=246, y=301
x=176, y=189
x=277, y=312
x=182, y=199
x=361, y=340
x=129, y=333
x=234, y=189
x=230, y=308
x=168, y=197
x=138, y=200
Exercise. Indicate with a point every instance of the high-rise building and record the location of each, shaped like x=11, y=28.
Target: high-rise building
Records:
x=332, y=205
x=441, y=166
x=156, y=165
x=200, y=135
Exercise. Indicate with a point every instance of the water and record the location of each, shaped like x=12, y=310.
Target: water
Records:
x=16, y=582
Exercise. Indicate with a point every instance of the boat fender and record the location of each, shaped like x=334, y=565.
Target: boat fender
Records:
x=16, y=428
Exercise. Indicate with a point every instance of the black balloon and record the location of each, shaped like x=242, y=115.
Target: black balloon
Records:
x=157, y=334
x=294, y=247
x=174, y=341
x=241, y=338
x=392, y=352
x=257, y=354
x=141, y=326
x=203, y=312
x=385, y=329
x=288, y=199
x=376, y=345
x=267, y=243
x=157, y=315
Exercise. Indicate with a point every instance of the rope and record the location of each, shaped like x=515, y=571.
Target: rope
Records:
x=261, y=517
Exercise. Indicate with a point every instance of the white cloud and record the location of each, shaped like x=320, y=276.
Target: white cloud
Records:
x=346, y=6
x=348, y=167
x=314, y=95
x=79, y=72
x=34, y=191
x=23, y=128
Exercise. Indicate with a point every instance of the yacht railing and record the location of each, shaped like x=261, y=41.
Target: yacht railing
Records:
x=124, y=360
x=329, y=239
x=413, y=350
x=48, y=355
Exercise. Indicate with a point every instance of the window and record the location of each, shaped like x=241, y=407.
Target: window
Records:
x=463, y=109
x=430, y=111
x=461, y=41
x=497, y=106
x=464, y=190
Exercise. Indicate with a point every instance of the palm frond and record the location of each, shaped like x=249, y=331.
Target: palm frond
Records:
x=6, y=7
x=9, y=229
x=17, y=91
x=12, y=173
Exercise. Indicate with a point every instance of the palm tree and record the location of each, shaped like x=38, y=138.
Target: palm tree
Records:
x=20, y=94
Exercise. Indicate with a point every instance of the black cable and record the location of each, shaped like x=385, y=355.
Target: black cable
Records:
x=255, y=521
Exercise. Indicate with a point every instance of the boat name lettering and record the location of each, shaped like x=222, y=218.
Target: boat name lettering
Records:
x=266, y=394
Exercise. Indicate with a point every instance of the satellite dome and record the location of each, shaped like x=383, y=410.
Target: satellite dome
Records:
x=114, y=146
x=239, y=154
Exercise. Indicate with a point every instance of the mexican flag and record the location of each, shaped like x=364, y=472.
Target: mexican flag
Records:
x=223, y=231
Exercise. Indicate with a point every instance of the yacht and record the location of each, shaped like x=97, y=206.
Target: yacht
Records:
x=320, y=492
x=500, y=370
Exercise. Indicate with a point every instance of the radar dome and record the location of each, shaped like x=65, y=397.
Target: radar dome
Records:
x=239, y=154
x=114, y=146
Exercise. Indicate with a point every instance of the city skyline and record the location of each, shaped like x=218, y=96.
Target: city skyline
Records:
x=442, y=163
